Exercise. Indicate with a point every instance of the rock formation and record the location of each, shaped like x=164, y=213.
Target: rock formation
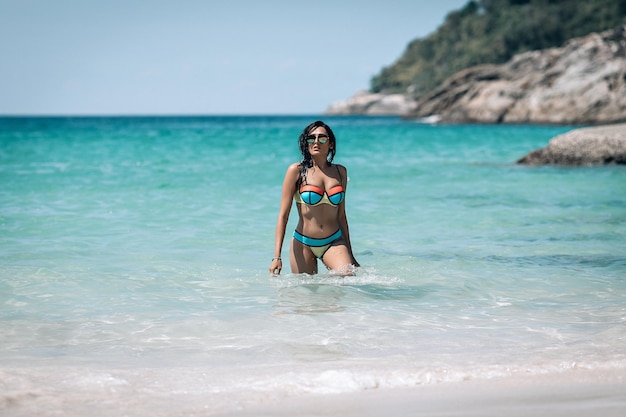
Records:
x=583, y=82
x=373, y=104
x=586, y=146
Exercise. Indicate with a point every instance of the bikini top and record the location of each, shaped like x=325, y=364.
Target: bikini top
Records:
x=312, y=195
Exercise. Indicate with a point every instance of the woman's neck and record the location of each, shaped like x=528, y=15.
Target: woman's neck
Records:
x=319, y=162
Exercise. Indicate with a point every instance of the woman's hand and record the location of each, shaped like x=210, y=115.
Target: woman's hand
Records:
x=276, y=266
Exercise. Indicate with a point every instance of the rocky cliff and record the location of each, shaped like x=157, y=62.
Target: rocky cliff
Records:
x=583, y=82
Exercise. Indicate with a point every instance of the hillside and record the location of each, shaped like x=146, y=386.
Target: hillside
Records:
x=583, y=82
x=492, y=32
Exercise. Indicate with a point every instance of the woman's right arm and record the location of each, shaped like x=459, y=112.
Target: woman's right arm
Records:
x=289, y=188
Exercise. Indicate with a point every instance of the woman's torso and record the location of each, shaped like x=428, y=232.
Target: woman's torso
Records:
x=319, y=194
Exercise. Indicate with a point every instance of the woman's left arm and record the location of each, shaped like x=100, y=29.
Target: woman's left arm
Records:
x=342, y=218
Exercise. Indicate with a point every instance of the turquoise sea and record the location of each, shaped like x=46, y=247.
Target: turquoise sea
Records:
x=134, y=256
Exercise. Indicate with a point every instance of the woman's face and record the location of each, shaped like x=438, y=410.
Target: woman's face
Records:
x=315, y=139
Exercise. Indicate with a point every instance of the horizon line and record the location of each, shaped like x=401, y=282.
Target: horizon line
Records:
x=86, y=115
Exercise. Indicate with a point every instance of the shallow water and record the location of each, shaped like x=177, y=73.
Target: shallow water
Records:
x=134, y=256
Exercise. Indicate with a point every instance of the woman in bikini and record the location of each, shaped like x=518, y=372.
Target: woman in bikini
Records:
x=319, y=188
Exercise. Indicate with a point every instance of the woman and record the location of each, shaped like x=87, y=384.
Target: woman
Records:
x=319, y=188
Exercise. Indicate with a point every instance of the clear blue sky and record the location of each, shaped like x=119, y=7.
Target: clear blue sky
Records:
x=200, y=56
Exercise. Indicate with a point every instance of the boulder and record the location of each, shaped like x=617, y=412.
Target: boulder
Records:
x=582, y=147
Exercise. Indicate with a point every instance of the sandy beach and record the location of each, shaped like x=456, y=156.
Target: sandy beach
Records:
x=573, y=393
x=577, y=393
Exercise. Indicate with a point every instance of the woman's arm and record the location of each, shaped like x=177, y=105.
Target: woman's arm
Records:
x=342, y=218
x=289, y=188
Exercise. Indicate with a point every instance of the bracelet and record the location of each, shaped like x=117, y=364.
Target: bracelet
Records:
x=277, y=259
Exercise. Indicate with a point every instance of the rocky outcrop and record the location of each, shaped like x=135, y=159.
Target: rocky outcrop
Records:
x=588, y=146
x=373, y=104
x=584, y=82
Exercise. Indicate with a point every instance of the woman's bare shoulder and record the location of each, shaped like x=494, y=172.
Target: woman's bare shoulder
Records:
x=293, y=170
x=341, y=169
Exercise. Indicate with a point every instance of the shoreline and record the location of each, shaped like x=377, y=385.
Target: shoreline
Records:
x=192, y=393
x=579, y=393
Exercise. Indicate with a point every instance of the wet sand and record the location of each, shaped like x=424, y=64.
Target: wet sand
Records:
x=571, y=394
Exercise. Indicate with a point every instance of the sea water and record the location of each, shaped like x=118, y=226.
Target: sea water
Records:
x=134, y=256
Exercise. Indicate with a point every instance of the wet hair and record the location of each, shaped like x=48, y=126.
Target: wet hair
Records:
x=307, y=160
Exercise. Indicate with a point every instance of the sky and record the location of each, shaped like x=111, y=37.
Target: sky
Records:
x=155, y=57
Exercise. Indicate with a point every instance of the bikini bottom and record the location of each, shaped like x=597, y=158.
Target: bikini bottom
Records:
x=318, y=246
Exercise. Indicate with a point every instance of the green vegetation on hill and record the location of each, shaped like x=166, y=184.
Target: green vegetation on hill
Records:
x=492, y=31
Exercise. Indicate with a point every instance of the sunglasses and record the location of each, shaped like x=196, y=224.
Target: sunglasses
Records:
x=322, y=139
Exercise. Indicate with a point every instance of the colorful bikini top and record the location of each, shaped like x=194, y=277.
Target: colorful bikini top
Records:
x=312, y=195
